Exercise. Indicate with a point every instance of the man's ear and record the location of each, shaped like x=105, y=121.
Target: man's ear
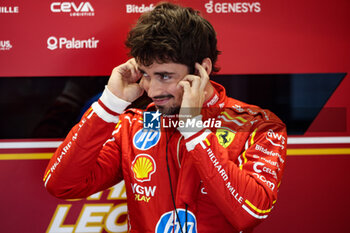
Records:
x=207, y=65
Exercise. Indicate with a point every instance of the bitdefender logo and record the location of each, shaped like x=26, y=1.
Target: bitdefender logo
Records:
x=132, y=8
x=54, y=43
x=73, y=9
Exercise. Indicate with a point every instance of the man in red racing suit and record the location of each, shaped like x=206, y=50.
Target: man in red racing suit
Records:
x=219, y=173
x=228, y=176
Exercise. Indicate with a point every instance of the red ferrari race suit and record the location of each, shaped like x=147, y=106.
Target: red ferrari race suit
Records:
x=224, y=175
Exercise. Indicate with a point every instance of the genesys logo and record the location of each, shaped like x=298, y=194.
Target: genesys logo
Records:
x=5, y=45
x=9, y=9
x=143, y=167
x=54, y=43
x=73, y=9
x=232, y=7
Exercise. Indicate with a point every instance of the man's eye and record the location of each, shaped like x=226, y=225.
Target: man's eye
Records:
x=145, y=75
x=165, y=77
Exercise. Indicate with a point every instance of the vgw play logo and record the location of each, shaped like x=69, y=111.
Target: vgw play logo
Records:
x=172, y=222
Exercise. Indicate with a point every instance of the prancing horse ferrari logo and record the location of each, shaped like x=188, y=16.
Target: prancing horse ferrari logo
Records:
x=225, y=136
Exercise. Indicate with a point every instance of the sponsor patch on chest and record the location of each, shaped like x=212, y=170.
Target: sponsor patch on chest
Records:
x=145, y=139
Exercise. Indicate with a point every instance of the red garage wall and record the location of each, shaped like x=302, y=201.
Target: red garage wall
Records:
x=85, y=38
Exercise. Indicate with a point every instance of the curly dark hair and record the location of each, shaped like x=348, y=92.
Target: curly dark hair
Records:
x=171, y=33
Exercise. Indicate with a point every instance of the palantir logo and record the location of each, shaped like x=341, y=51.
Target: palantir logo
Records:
x=65, y=43
x=151, y=120
x=52, y=43
x=169, y=222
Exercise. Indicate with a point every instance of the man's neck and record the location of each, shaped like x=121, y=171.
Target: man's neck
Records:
x=209, y=89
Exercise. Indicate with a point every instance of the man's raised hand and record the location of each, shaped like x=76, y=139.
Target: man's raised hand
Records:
x=123, y=81
x=194, y=92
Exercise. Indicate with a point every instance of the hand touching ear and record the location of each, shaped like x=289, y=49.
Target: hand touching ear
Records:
x=123, y=81
x=194, y=92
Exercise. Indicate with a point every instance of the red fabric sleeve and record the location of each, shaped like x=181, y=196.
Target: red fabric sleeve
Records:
x=84, y=163
x=244, y=188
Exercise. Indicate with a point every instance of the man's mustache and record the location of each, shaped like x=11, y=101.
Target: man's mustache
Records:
x=162, y=96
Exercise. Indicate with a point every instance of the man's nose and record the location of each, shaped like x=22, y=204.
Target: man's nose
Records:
x=152, y=87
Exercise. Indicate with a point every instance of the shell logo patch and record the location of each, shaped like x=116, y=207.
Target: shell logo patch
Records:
x=143, y=167
x=225, y=136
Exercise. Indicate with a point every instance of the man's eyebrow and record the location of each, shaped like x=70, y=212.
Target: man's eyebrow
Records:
x=157, y=73
x=164, y=73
